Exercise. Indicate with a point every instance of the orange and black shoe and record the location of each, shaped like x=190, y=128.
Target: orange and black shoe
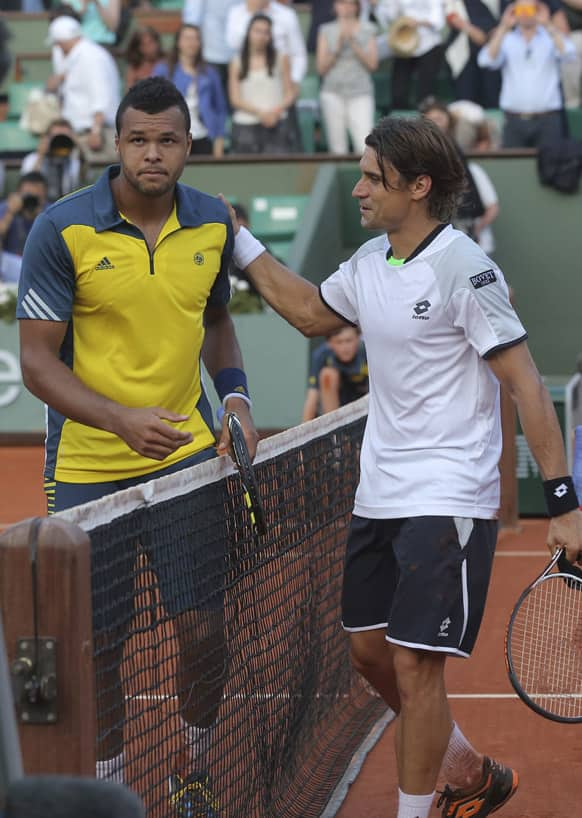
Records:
x=192, y=797
x=496, y=788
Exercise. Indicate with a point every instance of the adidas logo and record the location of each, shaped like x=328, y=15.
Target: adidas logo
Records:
x=105, y=264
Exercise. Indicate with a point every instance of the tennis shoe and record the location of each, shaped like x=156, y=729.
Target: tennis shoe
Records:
x=496, y=788
x=192, y=797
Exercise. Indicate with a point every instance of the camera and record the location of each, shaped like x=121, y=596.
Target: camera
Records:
x=30, y=202
x=60, y=145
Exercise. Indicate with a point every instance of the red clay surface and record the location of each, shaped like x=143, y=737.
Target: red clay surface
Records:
x=548, y=756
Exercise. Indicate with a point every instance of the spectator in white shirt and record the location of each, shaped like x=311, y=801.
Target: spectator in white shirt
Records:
x=529, y=49
x=261, y=93
x=425, y=62
x=287, y=38
x=89, y=85
x=287, y=34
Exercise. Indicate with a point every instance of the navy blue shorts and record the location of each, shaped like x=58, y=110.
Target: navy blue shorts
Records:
x=423, y=579
x=190, y=569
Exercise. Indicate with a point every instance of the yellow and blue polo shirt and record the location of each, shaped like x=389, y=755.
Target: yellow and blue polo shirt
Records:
x=135, y=317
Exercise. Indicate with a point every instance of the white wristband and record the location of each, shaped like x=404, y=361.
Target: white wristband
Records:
x=246, y=399
x=246, y=248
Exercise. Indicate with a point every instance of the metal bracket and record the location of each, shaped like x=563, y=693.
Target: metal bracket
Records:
x=34, y=680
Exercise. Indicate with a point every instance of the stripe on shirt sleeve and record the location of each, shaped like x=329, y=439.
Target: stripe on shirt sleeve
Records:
x=35, y=307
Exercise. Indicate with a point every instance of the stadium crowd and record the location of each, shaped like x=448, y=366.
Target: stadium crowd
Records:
x=255, y=82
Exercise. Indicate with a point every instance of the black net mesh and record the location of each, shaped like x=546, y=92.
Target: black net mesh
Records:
x=198, y=623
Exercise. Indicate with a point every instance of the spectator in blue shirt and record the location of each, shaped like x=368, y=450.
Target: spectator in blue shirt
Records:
x=211, y=16
x=338, y=373
x=201, y=87
x=529, y=48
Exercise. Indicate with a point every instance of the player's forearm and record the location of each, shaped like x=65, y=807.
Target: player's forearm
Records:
x=55, y=384
x=287, y=293
x=220, y=349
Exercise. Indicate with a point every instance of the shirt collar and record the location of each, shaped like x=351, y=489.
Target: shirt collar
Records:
x=107, y=215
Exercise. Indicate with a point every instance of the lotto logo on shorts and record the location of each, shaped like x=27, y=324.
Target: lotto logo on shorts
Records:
x=483, y=279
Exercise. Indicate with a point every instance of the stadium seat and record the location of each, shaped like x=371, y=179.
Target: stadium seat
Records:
x=18, y=94
x=277, y=218
x=15, y=140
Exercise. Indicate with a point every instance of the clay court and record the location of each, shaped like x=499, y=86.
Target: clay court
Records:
x=547, y=755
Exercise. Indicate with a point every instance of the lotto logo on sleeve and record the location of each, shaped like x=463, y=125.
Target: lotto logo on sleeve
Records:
x=483, y=279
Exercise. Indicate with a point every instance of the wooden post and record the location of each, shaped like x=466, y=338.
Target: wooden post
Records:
x=45, y=592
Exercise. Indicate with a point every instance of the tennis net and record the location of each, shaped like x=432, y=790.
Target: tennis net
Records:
x=196, y=621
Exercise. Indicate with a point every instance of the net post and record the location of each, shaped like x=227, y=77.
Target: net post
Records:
x=45, y=602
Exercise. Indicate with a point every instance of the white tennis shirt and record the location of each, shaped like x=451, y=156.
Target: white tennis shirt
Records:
x=433, y=436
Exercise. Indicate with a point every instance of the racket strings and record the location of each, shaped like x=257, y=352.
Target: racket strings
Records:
x=546, y=646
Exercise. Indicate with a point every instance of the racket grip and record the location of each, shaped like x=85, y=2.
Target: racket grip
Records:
x=577, y=465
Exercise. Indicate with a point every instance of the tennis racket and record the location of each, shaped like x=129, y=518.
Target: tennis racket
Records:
x=543, y=643
x=242, y=459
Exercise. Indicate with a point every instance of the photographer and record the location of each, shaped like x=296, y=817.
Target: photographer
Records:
x=17, y=215
x=59, y=158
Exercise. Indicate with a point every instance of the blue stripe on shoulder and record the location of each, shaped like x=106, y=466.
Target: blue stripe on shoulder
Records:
x=76, y=208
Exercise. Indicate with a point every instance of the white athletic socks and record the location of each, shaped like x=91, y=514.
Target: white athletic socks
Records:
x=462, y=764
x=110, y=769
x=198, y=741
x=414, y=806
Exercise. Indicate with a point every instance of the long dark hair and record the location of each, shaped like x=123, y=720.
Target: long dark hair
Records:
x=417, y=147
x=133, y=53
x=271, y=54
x=199, y=63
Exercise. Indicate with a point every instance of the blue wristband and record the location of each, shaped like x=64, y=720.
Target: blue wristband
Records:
x=231, y=382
